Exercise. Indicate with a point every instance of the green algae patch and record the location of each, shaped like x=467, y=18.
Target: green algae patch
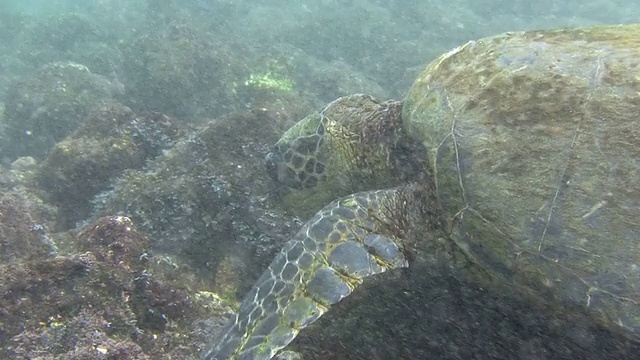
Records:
x=271, y=75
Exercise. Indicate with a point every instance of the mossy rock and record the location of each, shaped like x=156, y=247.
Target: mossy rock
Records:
x=182, y=74
x=112, y=140
x=49, y=104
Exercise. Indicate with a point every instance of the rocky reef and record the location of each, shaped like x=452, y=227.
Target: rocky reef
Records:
x=111, y=140
x=46, y=106
x=206, y=199
x=102, y=301
x=134, y=205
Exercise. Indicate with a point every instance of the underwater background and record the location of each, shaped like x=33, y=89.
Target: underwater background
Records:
x=135, y=209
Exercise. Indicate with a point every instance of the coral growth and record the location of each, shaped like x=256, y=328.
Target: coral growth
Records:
x=102, y=302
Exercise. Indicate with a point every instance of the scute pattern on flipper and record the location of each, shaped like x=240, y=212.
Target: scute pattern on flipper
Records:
x=326, y=260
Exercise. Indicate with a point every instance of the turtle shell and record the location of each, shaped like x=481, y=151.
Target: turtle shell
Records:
x=534, y=143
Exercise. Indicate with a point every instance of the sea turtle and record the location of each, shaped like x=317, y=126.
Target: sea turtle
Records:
x=524, y=147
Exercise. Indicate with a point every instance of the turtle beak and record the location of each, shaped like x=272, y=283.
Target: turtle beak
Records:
x=278, y=170
x=273, y=162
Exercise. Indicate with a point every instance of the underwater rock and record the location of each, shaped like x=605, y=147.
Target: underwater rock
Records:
x=111, y=140
x=108, y=301
x=115, y=240
x=281, y=66
x=69, y=37
x=21, y=235
x=205, y=200
x=48, y=105
x=182, y=72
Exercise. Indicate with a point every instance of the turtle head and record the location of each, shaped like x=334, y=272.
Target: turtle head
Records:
x=298, y=159
x=347, y=147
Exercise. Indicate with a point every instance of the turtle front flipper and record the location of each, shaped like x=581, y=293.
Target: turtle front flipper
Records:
x=323, y=263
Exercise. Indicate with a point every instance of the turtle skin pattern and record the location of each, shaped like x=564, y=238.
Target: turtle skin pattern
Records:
x=322, y=264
